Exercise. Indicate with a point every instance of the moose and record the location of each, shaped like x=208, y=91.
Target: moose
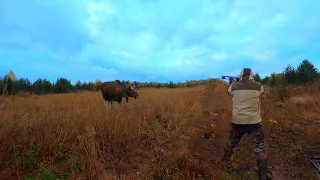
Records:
x=115, y=91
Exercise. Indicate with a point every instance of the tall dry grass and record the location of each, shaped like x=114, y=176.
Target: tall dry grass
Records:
x=77, y=129
x=166, y=134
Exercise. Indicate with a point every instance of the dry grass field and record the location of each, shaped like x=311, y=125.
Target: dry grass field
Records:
x=159, y=136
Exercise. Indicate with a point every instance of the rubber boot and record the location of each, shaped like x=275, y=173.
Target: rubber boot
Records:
x=227, y=154
x=263, y=171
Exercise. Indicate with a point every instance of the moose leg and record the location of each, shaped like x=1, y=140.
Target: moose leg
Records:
x=110, y=104
x=119, y=102
x=106, y=103
x=127, y=99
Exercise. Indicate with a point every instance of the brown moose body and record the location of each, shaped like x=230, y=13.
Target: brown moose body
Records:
x=115, y=91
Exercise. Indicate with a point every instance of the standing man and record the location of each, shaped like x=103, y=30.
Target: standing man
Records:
x=246, y=118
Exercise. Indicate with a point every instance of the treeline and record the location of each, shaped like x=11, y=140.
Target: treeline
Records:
x=304, y=73
x=190, y=83
x=41, y=86
x=10, y=85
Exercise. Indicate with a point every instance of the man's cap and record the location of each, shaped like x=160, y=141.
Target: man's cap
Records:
x=246, y=71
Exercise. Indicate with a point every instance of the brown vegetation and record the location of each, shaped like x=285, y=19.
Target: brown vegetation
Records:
x=166, y=134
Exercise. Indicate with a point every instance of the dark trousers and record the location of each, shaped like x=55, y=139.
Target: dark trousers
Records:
x=256, y=134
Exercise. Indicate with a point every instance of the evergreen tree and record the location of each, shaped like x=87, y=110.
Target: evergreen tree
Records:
x=23, y=85
x=10, y=86
x=265, y=80
x=78, y=85
x=38, y=86
x=63, y=86
x=257, y=77
x=47, y=86
x=291, y=75
x=307, y=73
x=171, y=85
x=272, y=80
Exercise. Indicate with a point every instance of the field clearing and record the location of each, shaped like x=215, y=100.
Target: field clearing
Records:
x=159, y=136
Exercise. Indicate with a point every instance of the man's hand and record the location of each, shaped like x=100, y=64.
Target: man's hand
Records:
x=234, y=80
x=230, y=90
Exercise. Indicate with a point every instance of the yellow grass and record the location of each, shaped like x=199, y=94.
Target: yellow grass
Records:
x=157, y=136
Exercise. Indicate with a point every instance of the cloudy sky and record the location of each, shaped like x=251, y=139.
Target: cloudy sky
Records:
x=155, y=40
